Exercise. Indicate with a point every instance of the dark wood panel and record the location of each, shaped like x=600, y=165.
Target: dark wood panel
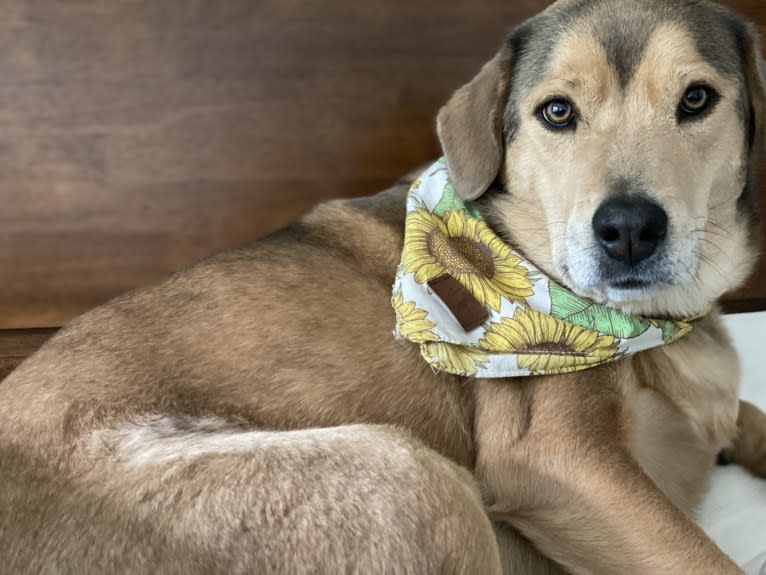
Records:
x=753, y=296
x=138, y=136
x=17, y=345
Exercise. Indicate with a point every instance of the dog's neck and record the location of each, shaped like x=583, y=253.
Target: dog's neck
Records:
x=478, y=307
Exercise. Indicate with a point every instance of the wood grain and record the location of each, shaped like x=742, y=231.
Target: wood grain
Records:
x=17, y=345
x=137, y=136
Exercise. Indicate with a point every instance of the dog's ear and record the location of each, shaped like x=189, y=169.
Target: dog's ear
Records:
x=755, y=78
x=470, y=128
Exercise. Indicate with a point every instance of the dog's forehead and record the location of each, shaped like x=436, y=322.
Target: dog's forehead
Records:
x=624, y=29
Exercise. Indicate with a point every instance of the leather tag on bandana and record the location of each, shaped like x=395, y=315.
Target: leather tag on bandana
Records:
x=469, y=313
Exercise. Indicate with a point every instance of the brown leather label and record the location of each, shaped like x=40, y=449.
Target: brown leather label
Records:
x=469, y=313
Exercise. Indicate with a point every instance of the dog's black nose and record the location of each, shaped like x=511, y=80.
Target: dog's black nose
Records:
x=630, y=228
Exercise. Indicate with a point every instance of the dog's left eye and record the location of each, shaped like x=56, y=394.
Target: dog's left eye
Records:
x=697, y=99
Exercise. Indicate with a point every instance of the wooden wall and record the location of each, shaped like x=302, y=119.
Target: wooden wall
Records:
x=137, y=136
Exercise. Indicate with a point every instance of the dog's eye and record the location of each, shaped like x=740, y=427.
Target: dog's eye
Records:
x=697, y=99
x=558, y=113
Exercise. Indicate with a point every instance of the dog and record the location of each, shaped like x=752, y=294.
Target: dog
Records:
x=254, y=413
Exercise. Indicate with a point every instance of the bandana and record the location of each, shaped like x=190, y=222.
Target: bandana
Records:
x=476, y=307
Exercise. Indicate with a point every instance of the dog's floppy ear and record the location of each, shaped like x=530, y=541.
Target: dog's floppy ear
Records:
x=755, y=78
x=470, y=128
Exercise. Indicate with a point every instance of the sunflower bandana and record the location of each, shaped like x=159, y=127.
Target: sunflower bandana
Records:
x=478, y=308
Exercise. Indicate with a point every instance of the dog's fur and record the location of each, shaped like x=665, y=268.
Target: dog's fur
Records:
x=254, y=413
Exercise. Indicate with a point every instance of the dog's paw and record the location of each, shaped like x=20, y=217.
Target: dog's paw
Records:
x=749, y=447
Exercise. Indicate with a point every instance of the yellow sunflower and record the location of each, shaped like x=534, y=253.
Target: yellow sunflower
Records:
x=545, y=344
x=466, y=249
x=412, y=321
x=454, y=358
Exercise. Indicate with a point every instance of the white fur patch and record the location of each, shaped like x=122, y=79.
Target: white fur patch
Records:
x=155, y=440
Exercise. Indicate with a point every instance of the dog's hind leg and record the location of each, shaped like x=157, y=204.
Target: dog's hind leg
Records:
x=169, y=495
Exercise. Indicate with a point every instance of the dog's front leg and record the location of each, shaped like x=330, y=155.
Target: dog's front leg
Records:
x=749, y=446
x=552, y=457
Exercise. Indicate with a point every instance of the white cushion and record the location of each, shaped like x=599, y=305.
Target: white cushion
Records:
x=734, y=511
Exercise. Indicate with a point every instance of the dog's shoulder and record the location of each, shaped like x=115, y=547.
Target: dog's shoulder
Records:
x=382, y=211
x=369, y=231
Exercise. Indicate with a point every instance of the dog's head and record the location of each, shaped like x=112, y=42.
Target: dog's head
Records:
x=614, y=143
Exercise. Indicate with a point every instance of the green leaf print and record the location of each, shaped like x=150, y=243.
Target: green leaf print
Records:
x=673, y=330
x=447, y=201
x=451, y=201
x=669, y=331
x=473, y=211
x=567, y=306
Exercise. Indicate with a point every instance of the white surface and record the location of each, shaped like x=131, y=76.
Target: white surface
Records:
x=734, y=512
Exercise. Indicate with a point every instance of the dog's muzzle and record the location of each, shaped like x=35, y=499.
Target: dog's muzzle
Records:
x=629, y=230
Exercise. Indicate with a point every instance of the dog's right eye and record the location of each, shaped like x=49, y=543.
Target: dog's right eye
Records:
x=558, y=113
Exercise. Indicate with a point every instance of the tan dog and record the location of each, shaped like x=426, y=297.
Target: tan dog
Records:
x=254, y=414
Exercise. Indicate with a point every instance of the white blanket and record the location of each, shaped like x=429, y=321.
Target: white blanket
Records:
x=734, y=512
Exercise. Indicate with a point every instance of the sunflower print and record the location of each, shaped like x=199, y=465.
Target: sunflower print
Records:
x=544, y=344
x=534, y=327
x=468, y=250
x=412, y=321
x=672, y=330
x=683, y=329
x=456, y=359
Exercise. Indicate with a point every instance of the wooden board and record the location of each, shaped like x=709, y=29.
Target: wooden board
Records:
x=17, y=345
x=138, y=136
